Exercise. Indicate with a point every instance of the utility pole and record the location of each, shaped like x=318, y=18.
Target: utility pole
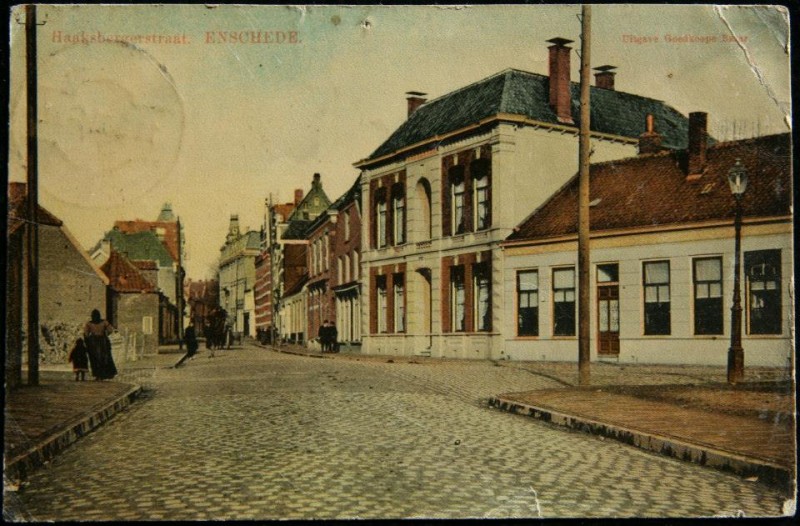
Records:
x=584, y=150
x=32, y=225
x=180, y=286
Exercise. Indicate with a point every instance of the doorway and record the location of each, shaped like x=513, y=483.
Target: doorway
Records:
x=608, y=309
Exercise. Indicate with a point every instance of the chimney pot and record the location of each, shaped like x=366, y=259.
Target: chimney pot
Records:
x=415, y=100
x=698, y=143
x=298, y=195
x=604, y=78
x=560, y=93
x=650, y=140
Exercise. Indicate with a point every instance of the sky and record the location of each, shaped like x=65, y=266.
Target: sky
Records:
x=175, y=114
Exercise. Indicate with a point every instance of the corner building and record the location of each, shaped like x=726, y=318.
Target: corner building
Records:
x=449, y=185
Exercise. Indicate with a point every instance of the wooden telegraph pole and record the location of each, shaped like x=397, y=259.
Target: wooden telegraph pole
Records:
x=584, y=150
x=32, y=224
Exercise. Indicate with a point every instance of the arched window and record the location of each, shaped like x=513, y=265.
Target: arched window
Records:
x=424, y=199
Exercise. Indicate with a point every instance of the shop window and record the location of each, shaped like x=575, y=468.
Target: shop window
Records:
x=656, y=297
x=707, y=278
x=762, y=272
x=528, y=303
x=564, y=302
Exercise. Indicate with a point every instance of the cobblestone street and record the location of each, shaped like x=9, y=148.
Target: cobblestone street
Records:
x=255, y=434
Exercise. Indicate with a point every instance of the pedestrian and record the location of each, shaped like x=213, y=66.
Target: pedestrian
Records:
x=95, y=335
x=323, y=336
x=190, y=339
x=333, y=337
x=79, y=357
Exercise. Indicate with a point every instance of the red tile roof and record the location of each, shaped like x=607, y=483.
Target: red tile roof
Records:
x=170, y=239
x=123, y=275
x=652, y=190
x=17, y=211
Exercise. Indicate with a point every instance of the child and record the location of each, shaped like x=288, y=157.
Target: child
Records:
x=79, y=357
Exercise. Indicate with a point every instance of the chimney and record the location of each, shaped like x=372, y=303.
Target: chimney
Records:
x=233, y=228
x=316, y=183
x=604, y=78
x=698, y=143
x=298, y=196
x=415, y=100
x=650, y=140
x=560, y=96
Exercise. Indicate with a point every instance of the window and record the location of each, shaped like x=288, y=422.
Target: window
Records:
x=382, y=304
x=399, y=304
x=564, y=302
x=708, y=296
x=656, y=297
x=528, y=303
x=347, y=225
x=459, y=221
x=482, y=200
x=340, y=270
x=763, y=277
x=399, y=206
x=381, y=223
x=327, y=247
x=346, y=268
x=483, y=298
x=356, y=268
x=457, y=299
x=147, y=325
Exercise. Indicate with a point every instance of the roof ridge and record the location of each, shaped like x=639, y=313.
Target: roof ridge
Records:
x=471, y=84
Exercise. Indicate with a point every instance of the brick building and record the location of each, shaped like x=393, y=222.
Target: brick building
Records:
x=148, y=252
x=662, y=252
x=202, y=297
x=134, y=304
x=447, y=187
x=345, y=279
x=70, y=286
x=288, y=256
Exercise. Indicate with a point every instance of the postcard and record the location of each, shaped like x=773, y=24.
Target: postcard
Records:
x=394, y=262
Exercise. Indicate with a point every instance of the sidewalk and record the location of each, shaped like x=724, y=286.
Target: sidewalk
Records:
x=42, y=421
x=686, y=412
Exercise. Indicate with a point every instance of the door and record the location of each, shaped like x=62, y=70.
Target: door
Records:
x=608, y=310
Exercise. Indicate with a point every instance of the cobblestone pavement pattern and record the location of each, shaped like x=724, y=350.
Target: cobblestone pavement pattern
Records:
x=253, y=434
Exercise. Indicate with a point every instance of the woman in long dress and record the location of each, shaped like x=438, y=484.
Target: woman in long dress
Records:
x=96, y=334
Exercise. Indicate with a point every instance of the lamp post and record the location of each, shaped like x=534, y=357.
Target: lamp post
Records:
x=737, y=179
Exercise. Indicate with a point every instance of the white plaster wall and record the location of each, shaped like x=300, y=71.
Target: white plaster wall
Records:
x=681, y=346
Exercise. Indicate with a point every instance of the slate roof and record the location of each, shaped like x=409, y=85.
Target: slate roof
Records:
x=17, y=209
x=296, y=229
x=140, y=246
x=170, y=232
x=123, y=275
x=652, y=190
x=353, y=194
x=527, y=94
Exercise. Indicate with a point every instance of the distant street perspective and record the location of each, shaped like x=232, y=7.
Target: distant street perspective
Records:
x=256, y=434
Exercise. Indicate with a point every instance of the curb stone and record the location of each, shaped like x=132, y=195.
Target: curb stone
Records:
x=21, y=465
x=661, y=444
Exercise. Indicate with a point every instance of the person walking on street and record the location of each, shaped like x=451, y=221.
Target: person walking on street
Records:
x=79, y=356
x=333, y=337
x=95, y=334
x=324, y=335
x=190, y=339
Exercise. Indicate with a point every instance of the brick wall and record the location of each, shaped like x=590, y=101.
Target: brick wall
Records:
x=129, y=311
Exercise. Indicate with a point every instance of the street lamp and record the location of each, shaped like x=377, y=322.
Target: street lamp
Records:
x=737, y=179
